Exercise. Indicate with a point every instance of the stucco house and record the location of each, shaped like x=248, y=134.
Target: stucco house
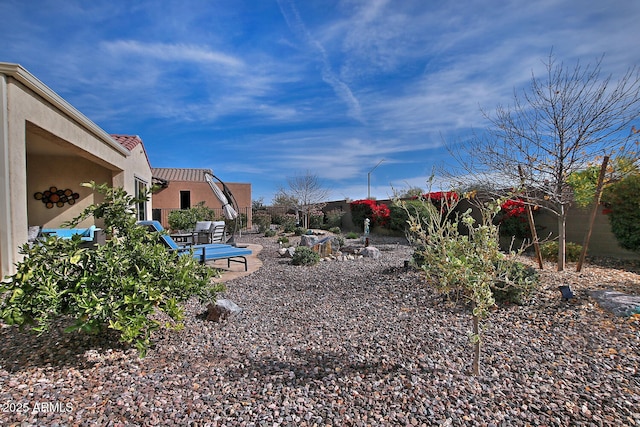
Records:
x=184, y=188
x=47, y=149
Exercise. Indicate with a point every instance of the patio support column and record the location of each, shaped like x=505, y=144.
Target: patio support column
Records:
x=6, y=235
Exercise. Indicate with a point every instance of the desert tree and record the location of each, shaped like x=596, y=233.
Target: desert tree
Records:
x=304, y=193
x=553, y=128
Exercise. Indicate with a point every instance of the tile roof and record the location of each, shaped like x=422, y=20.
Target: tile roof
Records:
x=130, y=142
x=127, y=141
x=181, y=174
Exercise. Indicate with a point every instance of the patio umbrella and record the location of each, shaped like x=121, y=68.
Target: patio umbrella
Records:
x=227, y=208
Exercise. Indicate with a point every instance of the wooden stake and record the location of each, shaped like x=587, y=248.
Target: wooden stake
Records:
x=594, y=211
x=532, y=225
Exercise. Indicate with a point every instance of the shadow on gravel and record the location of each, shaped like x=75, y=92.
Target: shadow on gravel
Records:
x=308, y=366
x=20, y=350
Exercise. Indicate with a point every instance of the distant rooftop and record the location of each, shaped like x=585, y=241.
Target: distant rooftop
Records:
x=180, y=174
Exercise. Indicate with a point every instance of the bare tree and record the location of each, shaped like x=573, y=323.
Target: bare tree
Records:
x=553, y=129
x=305, y=194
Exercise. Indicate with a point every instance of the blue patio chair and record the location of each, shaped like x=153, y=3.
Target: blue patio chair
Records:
x=203, y=253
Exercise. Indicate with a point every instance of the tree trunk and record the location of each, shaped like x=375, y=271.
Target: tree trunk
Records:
x=476, y=346
x=562, y=237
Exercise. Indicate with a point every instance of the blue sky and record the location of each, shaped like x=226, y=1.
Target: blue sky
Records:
x=262, y=90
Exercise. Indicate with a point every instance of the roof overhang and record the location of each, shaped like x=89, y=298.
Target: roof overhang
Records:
x=20, y=74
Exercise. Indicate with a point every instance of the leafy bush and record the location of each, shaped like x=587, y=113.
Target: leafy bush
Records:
x=284, y=241
x=185, y=219
x=352, y=235
x=335, y=230
x=118, y=285
x=517, y=285
x=399, y=215
x=269, y=233
x=287, y=221
x=513, y=219
x=621, y=199
x=263, y=220
x=549, y=251
x=468, y=264
x=334, y=219
x=316, y=219
x=305, y=256
x=299, y=231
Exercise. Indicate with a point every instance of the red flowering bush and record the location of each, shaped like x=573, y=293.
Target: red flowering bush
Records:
x=378, y=213
x=513, y=219
x=439, y=196
x=440, y=199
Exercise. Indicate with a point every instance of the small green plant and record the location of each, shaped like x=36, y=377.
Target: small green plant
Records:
x=352, y=235
x=522, y=281
x=335, y=230
x=305, y=256
x=119, y=285
x=299, y=231
x=549, y=251
x=284, y=241
x=269, y=233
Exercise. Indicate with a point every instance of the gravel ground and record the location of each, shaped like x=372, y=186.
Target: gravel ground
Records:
x=350, y=343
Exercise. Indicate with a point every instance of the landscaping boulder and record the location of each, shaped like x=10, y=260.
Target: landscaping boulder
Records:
x=370, y=252
x=287, y=252
x=223, y=309
x=308, y=240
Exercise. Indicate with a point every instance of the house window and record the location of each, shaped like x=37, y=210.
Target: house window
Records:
x=141, y=193
x=185, y=199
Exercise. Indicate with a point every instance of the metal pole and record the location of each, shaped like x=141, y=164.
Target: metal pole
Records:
x=369, y=179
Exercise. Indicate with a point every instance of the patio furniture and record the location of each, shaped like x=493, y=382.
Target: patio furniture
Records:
x=90, y=236
x=183, y=239
x=209, y=232
x=203, y=253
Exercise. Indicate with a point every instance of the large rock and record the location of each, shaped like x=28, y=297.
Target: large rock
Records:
x=370, y=252
x=222, y=310
x=287, y=252
x=308, y=240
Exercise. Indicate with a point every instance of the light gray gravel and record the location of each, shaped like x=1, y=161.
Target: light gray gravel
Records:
x=351, y=343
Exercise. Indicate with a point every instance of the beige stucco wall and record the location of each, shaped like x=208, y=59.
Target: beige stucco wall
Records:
x=46, y=142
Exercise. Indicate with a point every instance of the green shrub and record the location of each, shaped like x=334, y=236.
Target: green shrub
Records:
x=352, y=235
x=284, y=241
x=305, y=256
x=399, y=215
x=118, y=285
x=287, y=221
x=335, y=230
x=518, y=283
x=316, y=219
x=334, y=218
x=269, y=233
x=549, y=251
x=185, y=219
x=262, y=220
x=623, y=204
x=299, y=231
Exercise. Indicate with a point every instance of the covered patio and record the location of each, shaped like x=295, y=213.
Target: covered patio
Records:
x=47, y=149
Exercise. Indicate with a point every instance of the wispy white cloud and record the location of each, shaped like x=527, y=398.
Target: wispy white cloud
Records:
x=172, y=52
x=342, y=90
